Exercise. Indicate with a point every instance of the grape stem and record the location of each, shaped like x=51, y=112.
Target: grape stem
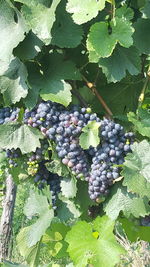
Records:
x=78, y=95
x=101, y=100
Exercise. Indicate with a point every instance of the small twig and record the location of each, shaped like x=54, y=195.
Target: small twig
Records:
x=78, y=95
x=101, y=100
x=96, y=78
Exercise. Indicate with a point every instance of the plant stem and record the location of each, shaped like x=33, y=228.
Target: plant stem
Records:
x=101, y=100
x=78, y=95
x=142, y=94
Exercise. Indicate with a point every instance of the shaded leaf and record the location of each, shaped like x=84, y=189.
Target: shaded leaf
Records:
x=65, y=33
x=141, y=35
x=29, y=47
x=135, y=232
x=54, y=86
x=122, y=60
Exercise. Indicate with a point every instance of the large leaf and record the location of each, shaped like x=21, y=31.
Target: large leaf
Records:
x=31, y=254
x=20, y=136
x=136, y=170
x=92, y=243
x=54, y=86
x=12, y=29
x=121, y=200
x=84, y=11
x=13, y=83
x=90, y=135
x=142, y=122
x=65, y=33
x=120, y=97
x=141, y=35
x=122, y=60
x=29, y=47
x=37, y=205
x=103, y=43
x=40, y=18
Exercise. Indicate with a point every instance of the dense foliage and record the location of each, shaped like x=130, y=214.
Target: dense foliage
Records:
x=75, y=124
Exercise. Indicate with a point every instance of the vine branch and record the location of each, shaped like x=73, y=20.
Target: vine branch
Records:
x=78, y=95
x=101, y=100
x=142, y=94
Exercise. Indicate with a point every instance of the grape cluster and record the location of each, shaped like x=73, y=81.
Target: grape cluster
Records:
x=64, y=128
x=12, y=155
x=7, y=114
x=44, y=177
x=108, y=158
x=66, y=134
x=43, y=116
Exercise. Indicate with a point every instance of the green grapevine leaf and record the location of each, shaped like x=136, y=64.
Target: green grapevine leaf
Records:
x=54, y=86
x=16, y=136
x=68, y=187
x=142, y=123
x=35, y=79
x=29, y=47
x=37, y=204
x=141, y=35
x=67, y=210
x=90, y=135
x=136, y=170
x=65, y=33
x=54, y=239
x=135, y=232
x=40, y=19
x=103, y=42
x=125, y=12
x=121, y=61
x=11, y=29
x=121, y=97
x=13, y=83
x=121, y=200
x=84, y=11
x=92, y=243
x=31, y=254
x=57, y=91
x=82, y=198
